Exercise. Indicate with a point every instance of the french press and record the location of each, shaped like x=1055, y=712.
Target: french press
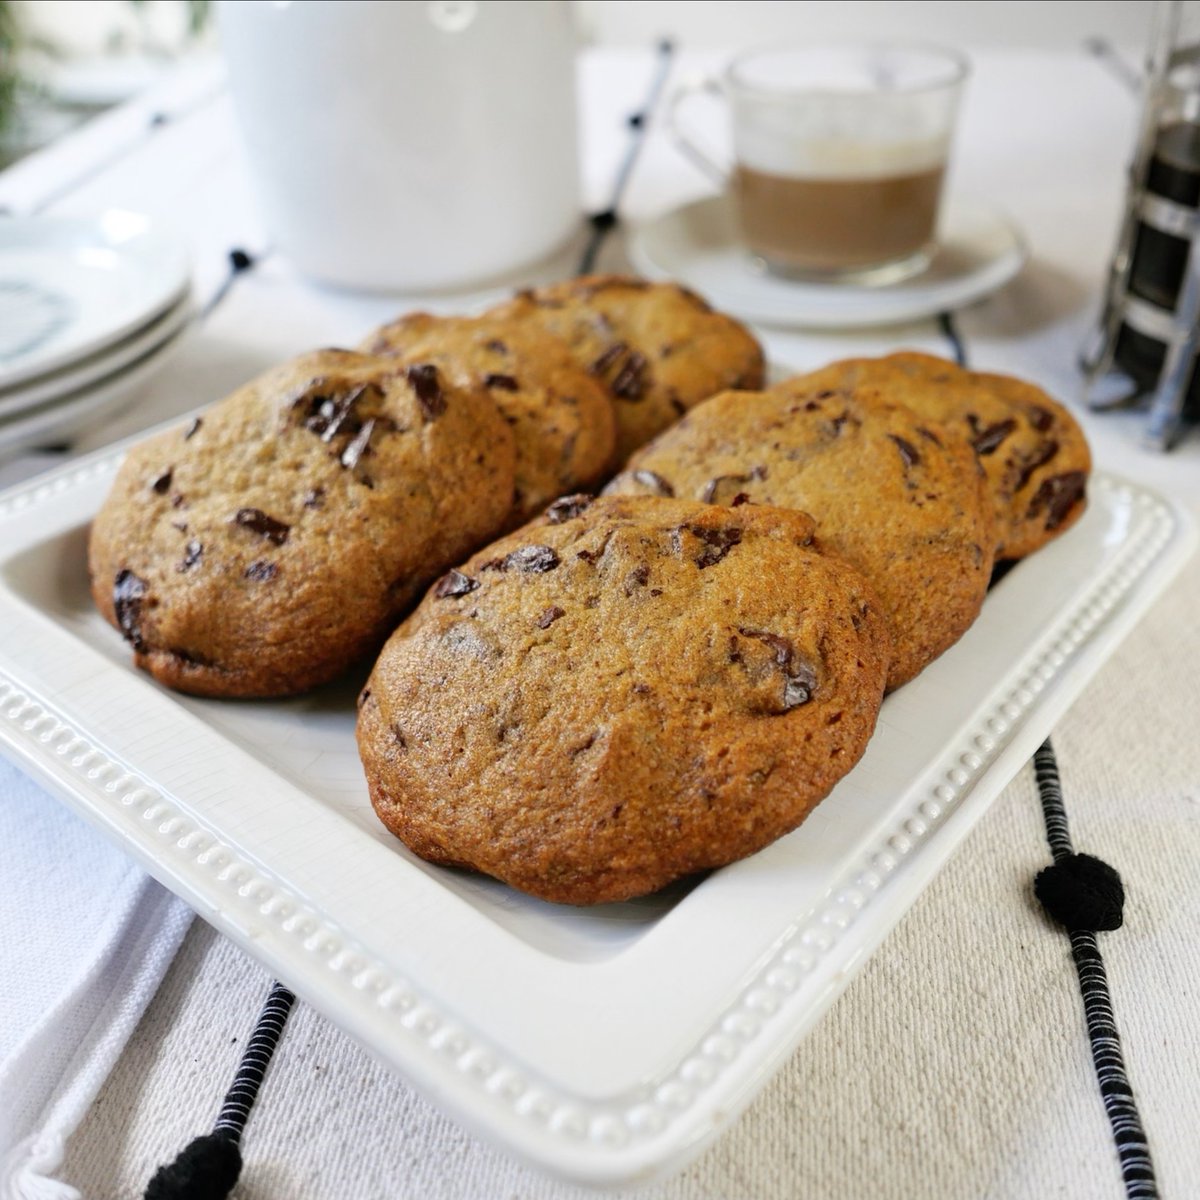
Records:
x=1146, y=346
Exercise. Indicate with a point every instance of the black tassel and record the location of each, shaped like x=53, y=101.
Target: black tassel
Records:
x=1082, y=892
x=209, y=1166
x=206, y=1169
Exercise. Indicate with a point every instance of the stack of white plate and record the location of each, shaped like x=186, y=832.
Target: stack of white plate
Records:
x=88, y=311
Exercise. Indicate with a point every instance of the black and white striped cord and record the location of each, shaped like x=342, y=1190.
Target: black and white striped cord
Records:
x=209, y=1166
x=1121, y=69
x=949, y=330
x=240, y=263
x=604, y=222
x=1086, y=895
x=240, y=1098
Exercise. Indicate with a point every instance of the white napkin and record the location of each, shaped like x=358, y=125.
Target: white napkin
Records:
x=85, y=939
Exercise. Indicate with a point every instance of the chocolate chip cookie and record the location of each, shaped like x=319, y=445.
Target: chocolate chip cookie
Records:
x=657, y=347
x=623, y=692
x=279, y=536
x=899, y=497
x=561, y=417
x=1033, y=450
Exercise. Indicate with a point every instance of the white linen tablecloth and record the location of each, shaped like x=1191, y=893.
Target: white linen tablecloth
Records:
x=87, y=938
x=956, y=1064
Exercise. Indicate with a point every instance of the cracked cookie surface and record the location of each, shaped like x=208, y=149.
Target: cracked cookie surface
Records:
x=900, y=497
x=625, y=691
x=1032, y=449
x=562, y=418
x=658, y=348
x=280, y=535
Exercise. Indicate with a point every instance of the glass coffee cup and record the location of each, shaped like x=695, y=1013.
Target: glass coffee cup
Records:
x=840, y=154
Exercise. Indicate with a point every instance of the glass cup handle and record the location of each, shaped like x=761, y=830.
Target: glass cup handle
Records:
x=693, y=151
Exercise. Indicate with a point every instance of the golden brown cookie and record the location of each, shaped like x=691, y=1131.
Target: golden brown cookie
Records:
x=899, y=497
x=562, y=418
x=279, y=537
x=1033, y=450
x=657, y=347
x=622, y=693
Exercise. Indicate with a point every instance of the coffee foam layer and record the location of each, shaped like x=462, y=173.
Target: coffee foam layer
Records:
x=838, y=157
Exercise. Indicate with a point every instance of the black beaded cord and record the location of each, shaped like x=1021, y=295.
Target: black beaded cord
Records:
x=604, y=222
x=1107, y=54
x=208, y=1167
x=949, y=329
x=240, y=262
x=1085, y=895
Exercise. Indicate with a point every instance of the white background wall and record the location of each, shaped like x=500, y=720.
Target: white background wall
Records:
x=86, y=25
x=725, y=24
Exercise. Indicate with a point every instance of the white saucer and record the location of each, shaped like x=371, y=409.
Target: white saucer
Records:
x=63, y=418
x=86, y=372
x=979, y=251
x=69, y=288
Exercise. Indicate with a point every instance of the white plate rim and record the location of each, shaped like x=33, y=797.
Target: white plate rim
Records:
x=56, y=385
x=93, y=401
x=952, y=295
x=145, y=241
x=667, y=1119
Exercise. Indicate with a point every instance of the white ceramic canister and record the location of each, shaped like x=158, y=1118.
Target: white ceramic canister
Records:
x=410, y=145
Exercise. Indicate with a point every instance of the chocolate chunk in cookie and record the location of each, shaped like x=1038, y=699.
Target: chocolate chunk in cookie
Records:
x=1023, y=438
x=653, y=706
x=320, y=501
x=918, y=523
x=562, y=419
x=658, y=348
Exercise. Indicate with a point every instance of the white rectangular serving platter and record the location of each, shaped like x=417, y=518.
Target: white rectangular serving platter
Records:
x=606, y=1045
